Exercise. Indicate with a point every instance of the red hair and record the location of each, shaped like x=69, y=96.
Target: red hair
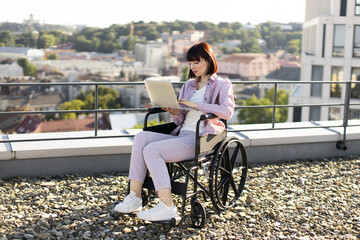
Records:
x=202, y=50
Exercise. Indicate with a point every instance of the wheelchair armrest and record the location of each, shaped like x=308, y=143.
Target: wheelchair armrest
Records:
x=155, y=110
x=208, y=116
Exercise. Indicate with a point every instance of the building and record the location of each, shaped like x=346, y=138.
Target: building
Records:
x=179, y=43
x=11, y=70
x=284, y=73
x=68, y=125
x=330, y=52
x=247, y=66
x=21, y=52
x=152, y=54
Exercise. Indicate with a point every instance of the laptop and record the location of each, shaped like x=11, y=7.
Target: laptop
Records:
x=162, y=94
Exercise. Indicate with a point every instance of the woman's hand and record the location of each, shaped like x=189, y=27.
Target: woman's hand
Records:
x=188, y=103
x=173, y=111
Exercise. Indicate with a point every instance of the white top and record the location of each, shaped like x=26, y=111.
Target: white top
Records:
x=194, y=115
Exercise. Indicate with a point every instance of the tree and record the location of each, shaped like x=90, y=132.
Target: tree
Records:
x=150, y=123
x=293, y=46
x=75, y=104
x=28, y=68
x=7, y=38
x=27, y=39
x=53, y=56
x=108, y=98
x=129, y=43
x=151, y=33
x=264, y=115
x=185, y=73
x=282, y=98
x=82, y=44
x=46, y=40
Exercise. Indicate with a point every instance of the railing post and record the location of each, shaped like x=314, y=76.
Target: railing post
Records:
x=96, y=108
x=342, y=144
x=274, y=104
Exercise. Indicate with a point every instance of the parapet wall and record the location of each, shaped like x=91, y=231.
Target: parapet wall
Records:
x=54, y=157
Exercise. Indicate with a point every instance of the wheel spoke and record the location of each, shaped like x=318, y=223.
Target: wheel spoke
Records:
x=233, y=157
x=232, y=183
x=224, y=179
x=223, y=170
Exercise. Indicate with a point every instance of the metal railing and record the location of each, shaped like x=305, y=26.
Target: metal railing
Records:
x=340, y=145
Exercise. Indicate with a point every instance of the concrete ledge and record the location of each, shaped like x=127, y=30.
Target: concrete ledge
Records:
x=53, y=157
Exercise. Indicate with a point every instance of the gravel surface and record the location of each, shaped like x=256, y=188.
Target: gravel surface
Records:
x=308, y=199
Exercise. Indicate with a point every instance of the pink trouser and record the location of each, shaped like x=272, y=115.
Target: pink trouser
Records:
x=151, y=151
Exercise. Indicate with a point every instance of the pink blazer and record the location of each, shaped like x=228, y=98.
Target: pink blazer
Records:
x=218, y=99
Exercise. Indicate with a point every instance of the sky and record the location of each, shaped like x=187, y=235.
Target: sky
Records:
x=104, y=13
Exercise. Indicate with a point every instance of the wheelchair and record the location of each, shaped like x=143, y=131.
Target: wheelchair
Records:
x=222, y=158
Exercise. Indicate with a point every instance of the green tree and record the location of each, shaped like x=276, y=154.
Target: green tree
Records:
x=27, y=39
x=108, y=98
x=282, y=98
x=129, y=43
x=53, y=56
x=82, y=44
x=293, y=46
x=264, y=115
x=46, y=40
x=7, y=38
x=122, y=73
x=151, y=33
x=185, y=73
x=75, y=104
x=28, y=68
x=150, y=123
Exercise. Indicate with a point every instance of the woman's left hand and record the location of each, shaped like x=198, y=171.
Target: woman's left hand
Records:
x=188, y=103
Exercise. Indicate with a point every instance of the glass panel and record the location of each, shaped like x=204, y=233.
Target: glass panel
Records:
x=334, y=113
x=339, y=40
x=357, y=1
x=339, y=35
x=356, y=51
x=316, y=75
x=357, y=10
x=354, y=114
x=355, y=88
x=336, y=75
x=315, y=113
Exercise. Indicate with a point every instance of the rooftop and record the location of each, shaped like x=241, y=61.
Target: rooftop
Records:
x=308, y=199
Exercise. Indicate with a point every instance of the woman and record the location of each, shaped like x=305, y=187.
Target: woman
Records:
x=207, y=93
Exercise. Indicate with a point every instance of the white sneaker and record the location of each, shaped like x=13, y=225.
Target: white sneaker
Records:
x=159, y=213
x=130, y=204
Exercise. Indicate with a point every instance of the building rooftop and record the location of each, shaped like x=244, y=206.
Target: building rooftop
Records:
x=67, y=125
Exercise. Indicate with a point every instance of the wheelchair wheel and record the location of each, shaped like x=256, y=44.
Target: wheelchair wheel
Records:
x=198, y=214
x=226, y=182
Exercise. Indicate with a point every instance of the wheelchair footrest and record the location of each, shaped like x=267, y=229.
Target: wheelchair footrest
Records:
x=173, y=222
x=177, y=188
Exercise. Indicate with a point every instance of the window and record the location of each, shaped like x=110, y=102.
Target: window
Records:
x=355, y=88
x=315, y=113
x=297, y=114
x=343, y=8
x=356, y=50
x=339, y=40
x=336, y=76
x=323, y=43
x=334, y=113
x=354, y=114
x=357, y=8
x=316, y=75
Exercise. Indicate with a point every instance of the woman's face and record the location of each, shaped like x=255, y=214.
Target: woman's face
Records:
x=199, y=68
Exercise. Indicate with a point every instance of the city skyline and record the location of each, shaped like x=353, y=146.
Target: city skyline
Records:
x=91, y=13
